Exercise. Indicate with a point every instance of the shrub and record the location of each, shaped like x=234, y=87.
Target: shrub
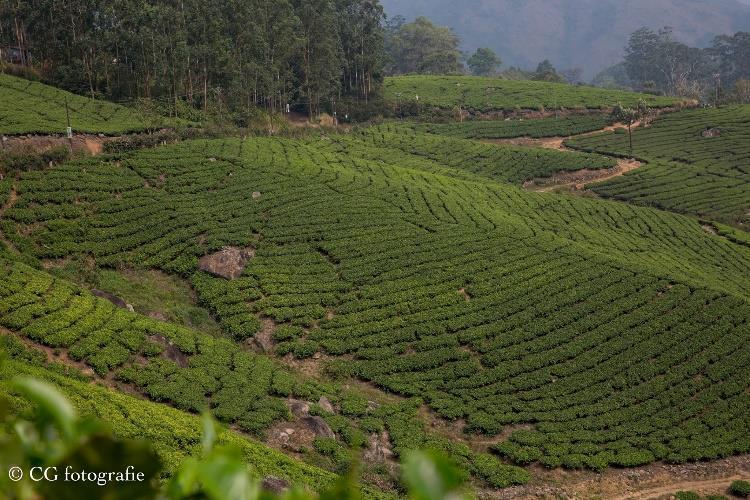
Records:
x=687, y=495
x=498, y=474
x=26, y=160
x=287, y=332
x=740, y=488
x=353, y=404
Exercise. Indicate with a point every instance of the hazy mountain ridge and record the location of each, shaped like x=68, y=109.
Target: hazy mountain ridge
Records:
x=586, y=33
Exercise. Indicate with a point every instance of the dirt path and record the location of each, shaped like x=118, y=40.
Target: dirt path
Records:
x=650, y=482
x=575, y=179
x=556, y=142
x=710, y=487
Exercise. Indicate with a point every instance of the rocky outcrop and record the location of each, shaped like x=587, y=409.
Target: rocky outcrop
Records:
x=378, y=449
x=299, y=408
x=318, y=426
x=326, y=405
x=228, y=263
x=275, y=484
x=711, y=133
x=112, y=298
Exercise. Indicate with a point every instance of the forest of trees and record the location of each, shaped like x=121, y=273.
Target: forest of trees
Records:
x=239, y=54
x=421, y=47
x=656, y=61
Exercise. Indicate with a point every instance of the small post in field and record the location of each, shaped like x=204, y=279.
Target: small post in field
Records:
x=69, y=130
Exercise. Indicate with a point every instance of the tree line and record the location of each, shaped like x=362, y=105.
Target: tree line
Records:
x=656, y=61
x=424, y=48
x=236, y=54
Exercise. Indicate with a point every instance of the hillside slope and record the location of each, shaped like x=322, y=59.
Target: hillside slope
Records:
x=586, y=33
x=487, y=94
x=619, y=333
x=687, y=171
x=28, y=107
x=173, y=434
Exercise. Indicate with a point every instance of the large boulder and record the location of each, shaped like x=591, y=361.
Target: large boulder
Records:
x=299, y=409
x=318, y=426
x=228, y=263
x=275, y=484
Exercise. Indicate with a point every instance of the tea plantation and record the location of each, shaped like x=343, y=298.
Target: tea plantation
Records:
x=505, y=129
x=698, y=163
x=618, y=333
x=513, y=164
x=173, y=434
x=485, y=94
x=28, y=107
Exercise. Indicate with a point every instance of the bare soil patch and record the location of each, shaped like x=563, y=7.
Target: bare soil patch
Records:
x=578, y=179
x=655, y=481
x=574, y=180
x=82, y=143
x=263, y=340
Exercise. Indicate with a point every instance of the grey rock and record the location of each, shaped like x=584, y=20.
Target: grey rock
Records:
x=711, y=132
x=299, y=408
x=110, y=297
x=325, y=404
x=318, y=426
x=275, y=484
x=227, y=263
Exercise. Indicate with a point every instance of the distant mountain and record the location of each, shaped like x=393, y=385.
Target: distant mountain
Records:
x=573, y=33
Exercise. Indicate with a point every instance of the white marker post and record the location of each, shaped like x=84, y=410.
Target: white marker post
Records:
x=69, y=129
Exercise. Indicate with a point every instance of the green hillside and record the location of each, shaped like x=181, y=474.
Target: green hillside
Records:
x=172, y=433
x=513, y=164
x=507, y=129
x=485, y=94
x=618, y=333
x=192, y=371
x=686, y=172
x=28, y=107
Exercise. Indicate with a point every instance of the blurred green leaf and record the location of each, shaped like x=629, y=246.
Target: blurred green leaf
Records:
x=52, y=404
x=209, y=432
x=224, y=476
x=431, y=476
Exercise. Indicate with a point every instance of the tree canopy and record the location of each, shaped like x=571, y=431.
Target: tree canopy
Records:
x=483, y=62
x=422, y=47
x=546, y=72
x=231, y=53
x=656, y=61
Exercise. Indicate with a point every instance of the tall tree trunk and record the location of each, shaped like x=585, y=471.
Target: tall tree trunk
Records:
x=205, y=87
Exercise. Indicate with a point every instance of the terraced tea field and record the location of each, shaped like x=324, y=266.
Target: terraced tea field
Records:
x=513, y=164
x=486, y=94
x=173, y=434
x=510, y=129
x=687, y=171
x=616, y=335
x=192, y=371
x=28, y=107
